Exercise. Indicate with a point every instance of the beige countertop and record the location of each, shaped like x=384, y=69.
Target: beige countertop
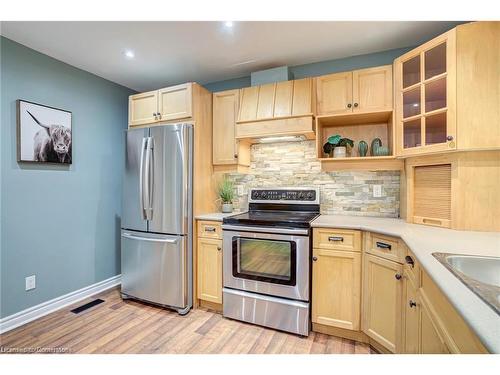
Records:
x=425, y=240
x=216, y=216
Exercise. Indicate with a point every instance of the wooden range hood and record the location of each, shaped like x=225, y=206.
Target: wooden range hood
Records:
x=275, y=110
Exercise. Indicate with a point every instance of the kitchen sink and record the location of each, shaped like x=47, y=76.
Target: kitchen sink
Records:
x=480, y=274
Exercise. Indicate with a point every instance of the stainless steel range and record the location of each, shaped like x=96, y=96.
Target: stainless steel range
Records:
x=267, y=253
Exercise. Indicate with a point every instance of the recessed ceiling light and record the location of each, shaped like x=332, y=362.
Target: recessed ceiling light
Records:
x=129, y=54
x=228, y=23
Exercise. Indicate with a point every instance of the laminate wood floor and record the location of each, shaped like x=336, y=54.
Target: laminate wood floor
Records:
x=118, y=326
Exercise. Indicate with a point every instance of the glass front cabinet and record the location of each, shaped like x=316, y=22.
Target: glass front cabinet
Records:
x=425, y=84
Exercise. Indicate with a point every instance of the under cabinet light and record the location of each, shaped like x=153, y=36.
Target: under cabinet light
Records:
x=286, y=138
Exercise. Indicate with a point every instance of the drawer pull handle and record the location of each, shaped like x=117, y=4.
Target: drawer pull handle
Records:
x=336, y=239
x=412, y=304
x=209, y=229
x=383, y=245
x=409, y=260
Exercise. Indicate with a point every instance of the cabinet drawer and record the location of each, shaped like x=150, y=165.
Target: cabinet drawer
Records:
x=385, y=247
x=209, y=229
x=337, y=239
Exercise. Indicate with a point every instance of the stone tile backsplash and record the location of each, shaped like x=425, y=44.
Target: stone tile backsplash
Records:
x=342, y=192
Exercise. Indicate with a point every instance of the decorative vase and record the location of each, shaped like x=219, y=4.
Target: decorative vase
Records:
x=227, y=208
x=382, y=151
x=362, y=148
x=376, y=143
x=340, y=152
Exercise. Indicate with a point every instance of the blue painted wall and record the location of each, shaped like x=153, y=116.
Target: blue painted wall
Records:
x=320, y=68
x=59, y=223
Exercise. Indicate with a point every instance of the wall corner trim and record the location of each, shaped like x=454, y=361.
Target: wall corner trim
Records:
x=25, y=316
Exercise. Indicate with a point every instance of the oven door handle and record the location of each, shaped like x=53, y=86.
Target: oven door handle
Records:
x=241, y=228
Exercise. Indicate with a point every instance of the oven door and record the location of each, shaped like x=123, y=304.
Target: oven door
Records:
x=267, y=263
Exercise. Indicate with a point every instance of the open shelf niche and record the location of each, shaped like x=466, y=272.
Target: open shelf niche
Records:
x=358, y=127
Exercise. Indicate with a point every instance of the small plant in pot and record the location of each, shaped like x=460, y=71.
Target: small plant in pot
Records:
x=336, y=146
x=226, y=195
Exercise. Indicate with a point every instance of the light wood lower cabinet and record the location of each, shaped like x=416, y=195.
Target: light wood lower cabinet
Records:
x=431, y=341
x=411, y=317
x=382, y=301
x=336, y=288
x=209, y=256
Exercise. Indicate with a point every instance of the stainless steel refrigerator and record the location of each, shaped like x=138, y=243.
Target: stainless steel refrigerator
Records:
x=156, y=235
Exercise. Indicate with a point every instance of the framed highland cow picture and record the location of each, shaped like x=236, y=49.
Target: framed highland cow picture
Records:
x=43, y=134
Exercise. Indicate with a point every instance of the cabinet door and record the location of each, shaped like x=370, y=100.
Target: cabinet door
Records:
x=210, y=270
x=142, y=108
x=336, y=288
x=431, y=341
x=411, y=318
x=372, y=89
x=175, y=102
x=334, y=93
x=425, y=92
x=382, y=299
x=225, y=110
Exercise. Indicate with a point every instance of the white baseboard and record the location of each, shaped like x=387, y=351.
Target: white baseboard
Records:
x=22, y=317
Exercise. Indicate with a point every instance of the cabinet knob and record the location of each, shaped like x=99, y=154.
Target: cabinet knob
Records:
x=315, y=259
x=349, y=105
x=449, y=138
x=412, y=303
x=219, y=248
x=159, y=115
x=409, y=260
x=236, y=156
x=397, y=276
x=355, y=105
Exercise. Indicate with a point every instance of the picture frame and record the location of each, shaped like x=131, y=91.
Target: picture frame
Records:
x=44, y=133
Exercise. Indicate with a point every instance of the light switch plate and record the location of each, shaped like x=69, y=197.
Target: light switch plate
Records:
x=377, y=191
x=30, y=282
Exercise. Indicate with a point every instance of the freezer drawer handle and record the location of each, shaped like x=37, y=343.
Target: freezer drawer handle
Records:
x=166, y=240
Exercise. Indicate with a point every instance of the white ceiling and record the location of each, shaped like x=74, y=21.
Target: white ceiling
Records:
x=173, y=52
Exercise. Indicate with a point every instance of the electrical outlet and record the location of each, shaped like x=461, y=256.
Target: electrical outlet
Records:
x=377, y=191
x=240, y=189
x=30, y=282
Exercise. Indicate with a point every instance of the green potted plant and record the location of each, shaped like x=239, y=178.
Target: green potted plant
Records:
x=226, y=195
x=336, y=146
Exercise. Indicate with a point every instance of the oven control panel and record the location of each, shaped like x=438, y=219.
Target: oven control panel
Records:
x=277, y=195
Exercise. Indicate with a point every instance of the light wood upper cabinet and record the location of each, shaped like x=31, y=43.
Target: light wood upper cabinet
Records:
x=209, y=255
x=372, y=89
x=359, y=91
x=334, y=93
x=382, y=301
x=167, y=104
x=336, y=288
x=175, y=102
x=447, y=92
x=225, y=110
x=142, y=108
x=276, y=100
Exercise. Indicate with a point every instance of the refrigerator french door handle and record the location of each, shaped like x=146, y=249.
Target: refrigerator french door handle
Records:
x=141, y=179
x=147, y=187
x=151, y=175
